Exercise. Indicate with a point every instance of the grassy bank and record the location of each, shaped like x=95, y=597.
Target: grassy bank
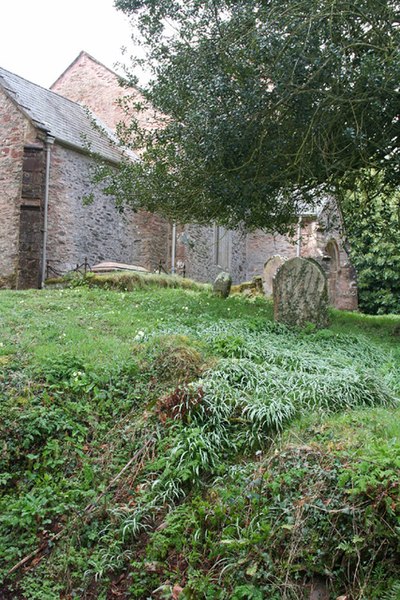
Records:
x=163, y=439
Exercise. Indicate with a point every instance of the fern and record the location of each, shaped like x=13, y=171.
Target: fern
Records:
x=393, y=593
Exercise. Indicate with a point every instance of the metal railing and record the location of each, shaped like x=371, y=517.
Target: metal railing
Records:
x=82, y=268
x=180, y=269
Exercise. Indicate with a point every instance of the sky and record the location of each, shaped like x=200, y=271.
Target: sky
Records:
x=40, y=38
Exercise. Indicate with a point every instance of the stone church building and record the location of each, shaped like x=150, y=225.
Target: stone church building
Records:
x=45, y=170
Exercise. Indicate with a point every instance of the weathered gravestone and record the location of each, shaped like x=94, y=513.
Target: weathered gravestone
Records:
x=301, y=293
x=270, y=269
x=222, y=284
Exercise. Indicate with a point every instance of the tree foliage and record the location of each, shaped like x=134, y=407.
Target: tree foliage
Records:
x=269, y=104
x=373, y=230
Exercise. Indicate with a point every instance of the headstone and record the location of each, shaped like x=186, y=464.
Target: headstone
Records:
x=270, y=269
x=301, y=293
x=222, y=285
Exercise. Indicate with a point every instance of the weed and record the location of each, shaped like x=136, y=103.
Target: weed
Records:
x=140, y=440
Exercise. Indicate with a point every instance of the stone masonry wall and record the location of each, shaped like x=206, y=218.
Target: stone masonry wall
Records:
x=97, y=231
x=15, y=132
x=199, y=254
x=30, y=247
x=154, y=239
x=342, y=278
x=315, y=237
x=260, y=246
x=92, y=84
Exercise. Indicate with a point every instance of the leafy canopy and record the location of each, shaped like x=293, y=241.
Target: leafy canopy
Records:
x=268, y=105
x=373, y=230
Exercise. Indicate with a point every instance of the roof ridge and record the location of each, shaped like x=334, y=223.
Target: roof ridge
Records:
x=84, y=53
x=69, y=122
x=48, y=90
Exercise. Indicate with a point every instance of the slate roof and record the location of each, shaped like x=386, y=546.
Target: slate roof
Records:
x=69, y=122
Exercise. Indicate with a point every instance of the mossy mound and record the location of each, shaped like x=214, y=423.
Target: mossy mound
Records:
x=125, y=281
x=249, y=288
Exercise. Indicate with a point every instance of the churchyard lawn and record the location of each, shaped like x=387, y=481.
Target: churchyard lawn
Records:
x=166, y=443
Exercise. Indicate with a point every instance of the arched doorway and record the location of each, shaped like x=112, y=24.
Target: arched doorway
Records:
x=332, y=251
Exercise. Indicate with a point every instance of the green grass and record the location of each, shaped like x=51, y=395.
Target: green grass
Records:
x=383, y=328
x=99, y=325
x=229, y=424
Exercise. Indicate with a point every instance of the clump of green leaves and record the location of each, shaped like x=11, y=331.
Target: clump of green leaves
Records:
x=373, y=229
x=238, y=406
x=309, y=509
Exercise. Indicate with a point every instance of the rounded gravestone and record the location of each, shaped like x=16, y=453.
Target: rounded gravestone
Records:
x=301, y=293
x=222, y=285
x=270, y=269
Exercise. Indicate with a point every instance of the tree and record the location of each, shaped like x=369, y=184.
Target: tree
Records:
x=268, y=104
x=373, y=230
